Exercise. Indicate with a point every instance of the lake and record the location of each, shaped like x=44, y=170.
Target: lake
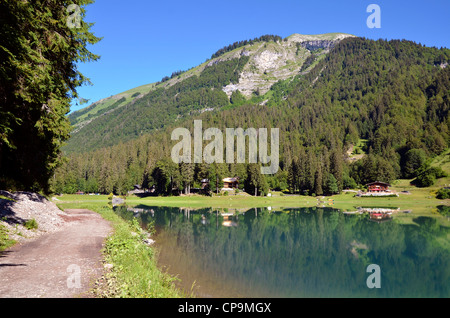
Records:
x=301, y=252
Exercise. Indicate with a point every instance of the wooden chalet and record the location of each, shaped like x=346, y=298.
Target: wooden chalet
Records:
x=377, y=187
x=231, y=183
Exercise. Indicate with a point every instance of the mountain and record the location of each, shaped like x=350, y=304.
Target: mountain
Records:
x=251, y=67
x=386, y=100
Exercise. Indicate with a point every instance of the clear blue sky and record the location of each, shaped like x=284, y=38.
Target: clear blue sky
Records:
x=145, y=40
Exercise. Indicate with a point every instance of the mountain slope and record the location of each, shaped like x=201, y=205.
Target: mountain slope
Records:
x=394, y=95
x=251, y=69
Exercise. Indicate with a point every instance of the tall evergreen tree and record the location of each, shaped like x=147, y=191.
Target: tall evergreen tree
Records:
x=336, y=167
x=318, y=180
x=38, y=77
x=332, y=185
x=293, y=174
x=255, y=182
x=187, y=176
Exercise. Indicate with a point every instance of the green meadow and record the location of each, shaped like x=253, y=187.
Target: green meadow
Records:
x=419, y=201
x=410, y=198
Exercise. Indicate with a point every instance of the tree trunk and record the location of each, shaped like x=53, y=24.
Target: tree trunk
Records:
x=217, y=185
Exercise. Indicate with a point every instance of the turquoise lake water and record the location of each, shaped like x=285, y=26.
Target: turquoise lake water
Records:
x=304, y=252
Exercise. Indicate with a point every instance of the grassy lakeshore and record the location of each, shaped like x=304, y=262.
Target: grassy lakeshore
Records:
x=418, y=199
x=347, y=201
x=134, y=272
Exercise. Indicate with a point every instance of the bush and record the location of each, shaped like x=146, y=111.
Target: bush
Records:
x=31, y=224
x=438, y=172
x=444, y=210
x=425, y=180
x=443, y=194
x=429, y=176
x=349, y=182
x=393, y=195
x=5, y=241
x=414, y=159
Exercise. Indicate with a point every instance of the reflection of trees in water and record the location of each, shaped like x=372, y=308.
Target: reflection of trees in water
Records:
x=310, y=252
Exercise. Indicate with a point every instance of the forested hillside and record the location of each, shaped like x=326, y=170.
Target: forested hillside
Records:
x=160, y=107
x=244, y=69
x=395, y=95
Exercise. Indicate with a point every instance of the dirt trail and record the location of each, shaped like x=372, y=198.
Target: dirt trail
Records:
x=61, y=264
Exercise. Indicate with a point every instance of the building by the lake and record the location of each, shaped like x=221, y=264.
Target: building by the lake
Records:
x=231, y=183
x=377, y=188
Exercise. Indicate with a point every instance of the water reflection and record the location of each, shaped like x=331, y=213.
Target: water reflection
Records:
x=378, y=214
x=306, y=252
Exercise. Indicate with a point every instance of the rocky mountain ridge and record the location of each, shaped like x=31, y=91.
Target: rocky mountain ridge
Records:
x=269, y=62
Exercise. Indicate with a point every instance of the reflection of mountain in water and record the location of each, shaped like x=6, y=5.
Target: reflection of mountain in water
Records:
x=311, y=252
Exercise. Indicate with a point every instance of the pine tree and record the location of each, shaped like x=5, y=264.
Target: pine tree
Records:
x=187, y=176
x=309, y=174
x=237, y=98
x=255, y=182
x=293, y=173
x=336, y=167
x=318, y=180
x=332, y=185
x=38, y=76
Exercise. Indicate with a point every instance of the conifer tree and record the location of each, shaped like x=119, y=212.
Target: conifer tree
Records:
x=336, y=167
x=255, y=182
x=38, y=77
x=187, y=176
x=318, y=180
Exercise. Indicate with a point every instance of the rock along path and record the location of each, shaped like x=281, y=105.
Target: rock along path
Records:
x=61, y=264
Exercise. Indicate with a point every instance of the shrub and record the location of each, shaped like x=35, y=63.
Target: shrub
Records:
x=429, y=176
x=425, y=180
x=444, y=210
x=414, y=159
x=5, y=241
x=393, y=195
x=349, y=182
x=443, y=194
x=31, y=224
x=438, y=172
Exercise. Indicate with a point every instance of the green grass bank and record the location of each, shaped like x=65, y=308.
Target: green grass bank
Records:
x=134, y=272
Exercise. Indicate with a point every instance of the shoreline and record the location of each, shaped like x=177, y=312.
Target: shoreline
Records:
x=141, y=258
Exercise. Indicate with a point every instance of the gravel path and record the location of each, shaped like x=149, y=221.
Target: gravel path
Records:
x=62, y=263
